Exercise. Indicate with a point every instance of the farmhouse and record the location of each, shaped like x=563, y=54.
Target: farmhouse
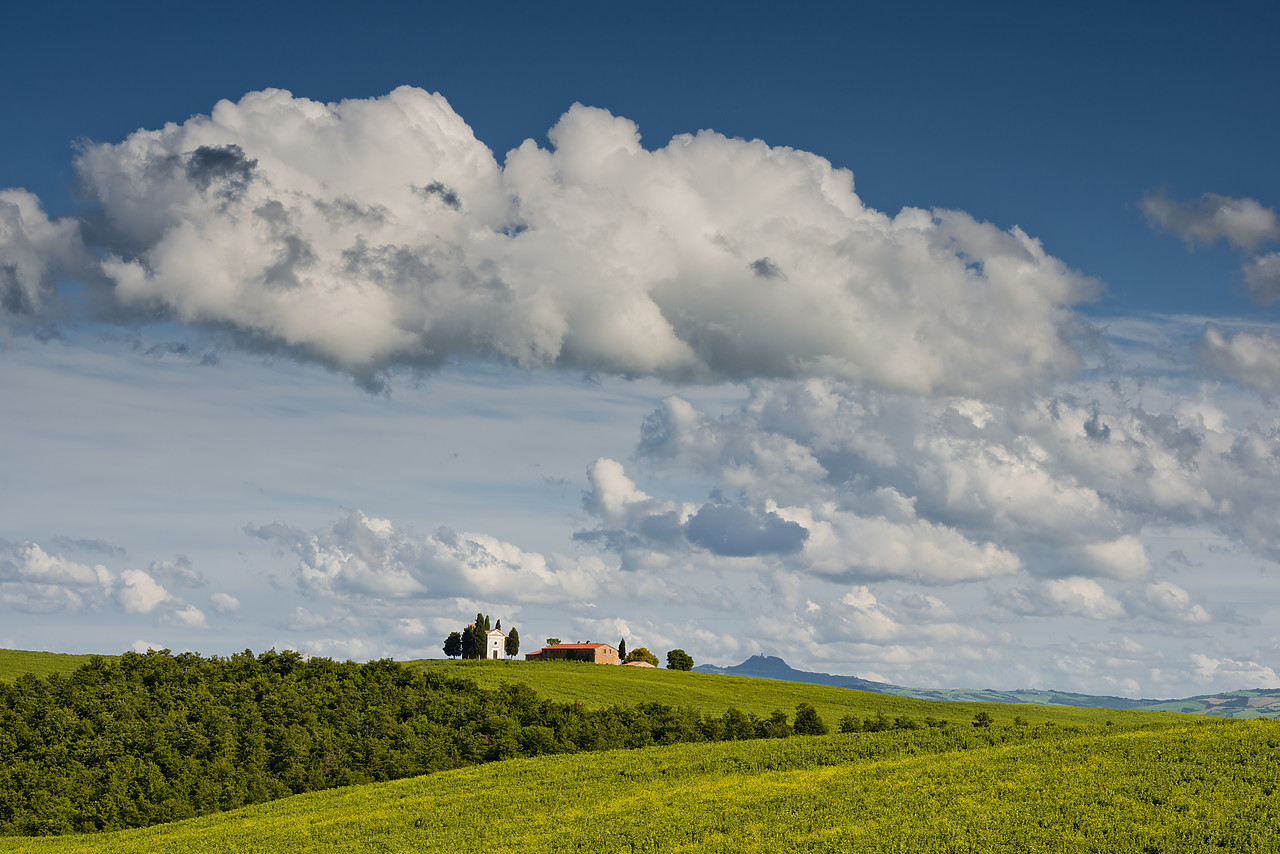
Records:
x=596, y=653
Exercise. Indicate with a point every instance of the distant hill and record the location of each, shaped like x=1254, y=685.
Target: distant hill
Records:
x=1249, y=703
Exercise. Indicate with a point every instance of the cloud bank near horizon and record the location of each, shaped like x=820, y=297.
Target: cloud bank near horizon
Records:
x=371, y=234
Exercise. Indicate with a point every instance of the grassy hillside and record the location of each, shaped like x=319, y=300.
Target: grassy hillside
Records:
x=1244, y=704
x=15, y=662
x=1192, y=785
x=596, y=685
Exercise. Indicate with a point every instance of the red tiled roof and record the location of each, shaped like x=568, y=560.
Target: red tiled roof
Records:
x=576, y=646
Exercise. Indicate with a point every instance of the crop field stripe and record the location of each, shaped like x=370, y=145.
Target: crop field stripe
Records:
x=1169, y=790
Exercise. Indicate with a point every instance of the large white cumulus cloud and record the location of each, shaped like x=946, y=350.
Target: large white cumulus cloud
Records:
x=363, y=558
x=380, y=232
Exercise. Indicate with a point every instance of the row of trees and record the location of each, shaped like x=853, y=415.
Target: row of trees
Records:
x=472, y=641
x=151, y=738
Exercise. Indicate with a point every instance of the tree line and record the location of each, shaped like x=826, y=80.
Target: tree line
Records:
x=156, y=737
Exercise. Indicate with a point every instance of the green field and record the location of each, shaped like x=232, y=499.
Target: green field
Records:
x=596, y=686
x=15, y=662
x=1199, y=785
x=1042, y=778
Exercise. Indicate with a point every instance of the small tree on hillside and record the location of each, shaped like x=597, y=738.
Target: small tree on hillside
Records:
x=513, y=643
x=453, y=644
x=622, y=649
x=470, y=646
x=552, y=641
x=642, y=654
x=678, y=659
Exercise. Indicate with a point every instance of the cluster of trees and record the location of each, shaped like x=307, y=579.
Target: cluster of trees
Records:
x=677, y=659
x=472, y=641
x=151, y=738
x=640, y=654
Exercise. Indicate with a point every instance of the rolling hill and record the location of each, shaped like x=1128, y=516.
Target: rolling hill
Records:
x=1245, y=703
x=1039, y=777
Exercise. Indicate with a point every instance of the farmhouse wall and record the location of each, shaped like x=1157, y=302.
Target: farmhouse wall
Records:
x=596, y=653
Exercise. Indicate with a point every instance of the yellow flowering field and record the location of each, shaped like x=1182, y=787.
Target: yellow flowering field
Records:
x=1190, y=785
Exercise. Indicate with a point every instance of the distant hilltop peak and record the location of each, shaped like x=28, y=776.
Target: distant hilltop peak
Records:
x=762, y=666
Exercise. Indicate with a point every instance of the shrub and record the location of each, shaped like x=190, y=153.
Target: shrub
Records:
x=808, y=722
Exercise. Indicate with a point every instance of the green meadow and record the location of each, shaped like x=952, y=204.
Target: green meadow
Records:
x=1184, y=785
x=596, y=686
x=1037, y=779
x=15, y=662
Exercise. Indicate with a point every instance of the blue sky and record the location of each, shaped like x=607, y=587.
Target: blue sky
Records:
x=964, y=375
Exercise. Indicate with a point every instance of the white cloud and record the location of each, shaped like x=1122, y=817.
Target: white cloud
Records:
x=1076, y=596
x=224, y=603
x=1262, y=275
x=1243, y=222
x=1123, y=557
x=341, y=649
x=180, y=570
x=1056, y=485
x=361, y=558
x=143, y=646
x=186, y=616
x=1242, y=674
x=1166, y=602
x=372, y=233
x=821, y=538
x=34, y=581
x=1251, y=359
x=846, y=546
x=411, y=630
x=140, y=593
x=35, y=565
x=303, y=620
x=34, y=250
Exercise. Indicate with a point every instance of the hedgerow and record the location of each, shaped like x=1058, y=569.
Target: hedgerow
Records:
x=143, y=739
